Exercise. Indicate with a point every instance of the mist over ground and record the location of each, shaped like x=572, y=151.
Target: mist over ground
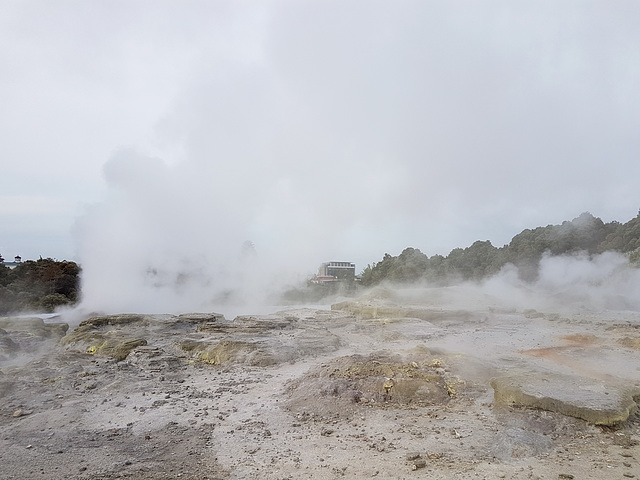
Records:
x=571, y=283
x=566, y=284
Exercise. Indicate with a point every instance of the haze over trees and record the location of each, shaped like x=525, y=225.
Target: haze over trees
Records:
x=45, y=284
x=585, y=233
x=39, y=286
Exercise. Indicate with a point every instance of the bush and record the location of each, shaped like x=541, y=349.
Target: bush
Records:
x=38, y=285
x=50, y=302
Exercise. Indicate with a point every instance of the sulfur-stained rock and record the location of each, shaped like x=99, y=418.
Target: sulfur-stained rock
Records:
x=575, y=396
x=630, y=342
x=116, y=348
x=226, y=352
x=259, y=340
x=369, y=310
x=105, y=336
x=248, y=324
x=377, y=379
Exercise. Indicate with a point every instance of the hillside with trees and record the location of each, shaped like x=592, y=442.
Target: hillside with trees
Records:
x=38, y=286
x=45, y=284
x=585, y=233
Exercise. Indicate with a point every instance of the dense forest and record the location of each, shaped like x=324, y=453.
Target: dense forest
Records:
x=39, y=286
x=585, y=233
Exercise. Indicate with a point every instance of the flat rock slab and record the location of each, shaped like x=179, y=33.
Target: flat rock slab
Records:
x=377, y=309
x=580, y=397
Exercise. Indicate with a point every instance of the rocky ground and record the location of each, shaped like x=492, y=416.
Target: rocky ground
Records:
x=439, y=384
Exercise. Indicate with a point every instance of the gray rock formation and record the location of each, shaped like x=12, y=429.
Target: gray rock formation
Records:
x=580, y=397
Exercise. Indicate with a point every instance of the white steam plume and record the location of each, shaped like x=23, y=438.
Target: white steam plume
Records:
x=571, y=282
x=166, y=240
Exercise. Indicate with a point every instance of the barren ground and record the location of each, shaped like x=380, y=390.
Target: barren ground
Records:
x=315, y=394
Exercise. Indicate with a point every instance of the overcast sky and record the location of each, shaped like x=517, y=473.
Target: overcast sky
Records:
x=176, y=131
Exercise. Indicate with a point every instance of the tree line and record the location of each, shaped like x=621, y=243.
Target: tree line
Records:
x=45, y=284
x=39, y=286
x=585, y=233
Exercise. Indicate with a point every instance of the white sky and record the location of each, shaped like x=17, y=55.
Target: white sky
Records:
x=328, y=130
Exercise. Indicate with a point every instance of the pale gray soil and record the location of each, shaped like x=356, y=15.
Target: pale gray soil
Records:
x=301, y=395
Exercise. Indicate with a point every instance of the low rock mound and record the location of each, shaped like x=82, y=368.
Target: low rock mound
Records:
x=261, y=340
x=107, y=335
x=201, y=338
x=227, y=352
x=630, y=342
x=22, y=337
x=33, y=327
x=380, y=379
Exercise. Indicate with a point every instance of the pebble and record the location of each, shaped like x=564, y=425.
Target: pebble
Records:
x=419, y=463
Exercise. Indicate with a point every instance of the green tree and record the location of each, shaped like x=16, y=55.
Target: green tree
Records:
x=583, y=233
x=37, y=285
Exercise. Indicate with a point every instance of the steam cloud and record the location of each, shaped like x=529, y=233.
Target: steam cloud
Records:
x=166, y=240
x=570, y=283
x=340, y=132
x=169, y=240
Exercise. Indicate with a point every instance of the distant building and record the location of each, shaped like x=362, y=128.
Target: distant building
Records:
x=330, y=272
x=16, y=261
x=323, y=280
